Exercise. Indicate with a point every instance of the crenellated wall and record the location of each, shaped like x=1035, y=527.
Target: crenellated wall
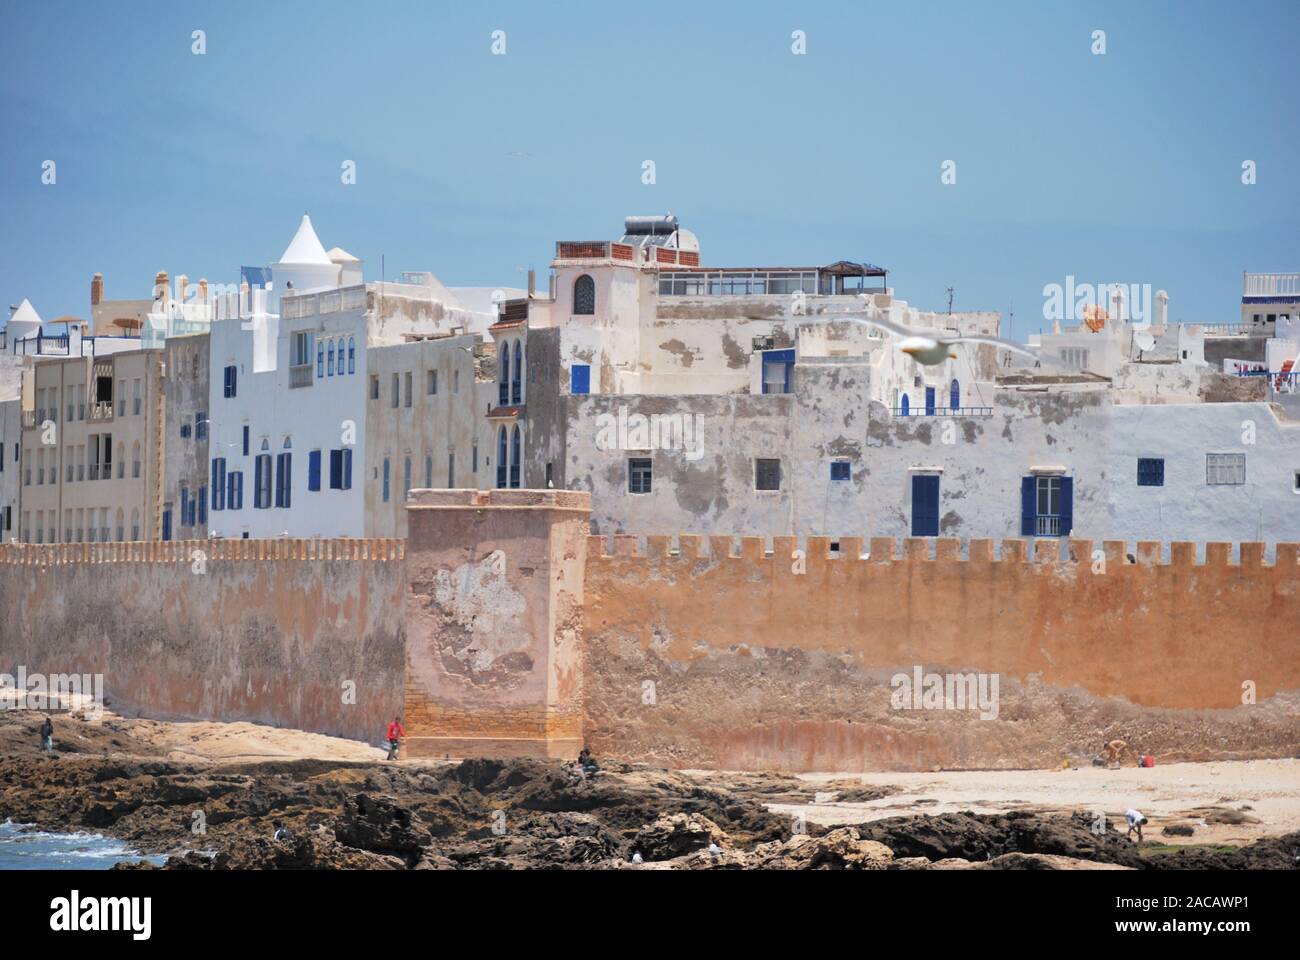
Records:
x=783, y=654
x=297, y=633
x=504, y=629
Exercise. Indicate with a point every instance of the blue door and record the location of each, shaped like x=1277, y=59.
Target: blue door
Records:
x=929, y=402
x=925, y=505
x=903, y=408
x=954, y=399
x=167, y=525
x=579, y=378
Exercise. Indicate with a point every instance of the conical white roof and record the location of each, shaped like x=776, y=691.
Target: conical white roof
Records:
x=26, y=316
x=305, y=248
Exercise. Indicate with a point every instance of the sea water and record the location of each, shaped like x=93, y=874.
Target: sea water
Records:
x=26, y=849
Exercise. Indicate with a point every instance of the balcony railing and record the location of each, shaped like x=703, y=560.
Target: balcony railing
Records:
x=1270, y=285
x=1047, y=525
x=101, y=411
x=300, y=375
x=920, y=411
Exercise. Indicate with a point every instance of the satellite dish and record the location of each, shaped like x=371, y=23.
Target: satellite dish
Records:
x=1144, y=340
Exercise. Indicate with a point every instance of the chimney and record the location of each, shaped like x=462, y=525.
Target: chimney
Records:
x=532, y=282
x=96, y=289
x=203, y=289
x=1162, y=308
x=182, y=285
x=160, y=285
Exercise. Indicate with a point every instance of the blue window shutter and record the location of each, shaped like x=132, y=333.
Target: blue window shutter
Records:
x=925, y=505
x=1028, y=505
x=347, y=469
x=167, y=525
x=313, y=470
x=234, y=381
x=245, y=440
x=954, y=398
x=580, y=378
x=1067, y=506
x=929, y=401
x=904, y=405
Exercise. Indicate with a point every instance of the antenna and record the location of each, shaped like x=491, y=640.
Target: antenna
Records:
x=950, y=301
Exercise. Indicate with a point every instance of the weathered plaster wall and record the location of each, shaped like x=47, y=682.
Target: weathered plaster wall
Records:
x=269, y=631
x=704, y=659
x=493, y=619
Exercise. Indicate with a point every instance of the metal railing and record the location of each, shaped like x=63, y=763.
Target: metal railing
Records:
x=300, y=375
x=1270, y=285
x=1047, y=525
x=921, y=411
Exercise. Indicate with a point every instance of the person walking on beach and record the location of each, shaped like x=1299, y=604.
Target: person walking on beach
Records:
x=395, y=734
x=47, y=735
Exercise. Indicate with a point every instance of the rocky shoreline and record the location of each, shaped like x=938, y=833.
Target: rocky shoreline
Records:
x=527, y=814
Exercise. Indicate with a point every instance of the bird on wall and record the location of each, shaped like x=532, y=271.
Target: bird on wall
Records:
x=930, y=347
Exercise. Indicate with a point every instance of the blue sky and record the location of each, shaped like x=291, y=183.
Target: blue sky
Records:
x=1124, y=167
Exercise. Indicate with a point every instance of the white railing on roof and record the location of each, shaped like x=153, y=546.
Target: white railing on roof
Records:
x=1270, y=285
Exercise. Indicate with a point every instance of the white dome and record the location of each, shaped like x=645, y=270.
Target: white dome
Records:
x=24, y=323
x=305, y=247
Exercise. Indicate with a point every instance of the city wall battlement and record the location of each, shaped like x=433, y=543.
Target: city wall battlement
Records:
x=1143, y=553
x=501, y=627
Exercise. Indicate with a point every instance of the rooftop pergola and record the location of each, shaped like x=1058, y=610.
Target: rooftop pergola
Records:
x=842, y=273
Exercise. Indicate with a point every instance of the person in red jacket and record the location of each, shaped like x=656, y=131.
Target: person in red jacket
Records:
x=395, y=734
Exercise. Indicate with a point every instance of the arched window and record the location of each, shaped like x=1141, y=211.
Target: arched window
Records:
x=352, y=354
x=954, y=399
x=135, y=464
x=121, y=460
x=514, y=458
x=516, y=385
x=584, y=295
x=135, y=524
x=905, y=404
x=330, y=359
x=503, y=462
x=119, y=532
x=503, y=387
x=320, y=358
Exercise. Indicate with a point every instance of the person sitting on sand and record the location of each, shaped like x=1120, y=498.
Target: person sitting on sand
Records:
x=395, y=734
x=1135, y=822
x=47, y=735
x=587, y=762
x=282, y=833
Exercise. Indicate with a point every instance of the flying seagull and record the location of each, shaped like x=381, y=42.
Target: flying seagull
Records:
x=930, y=348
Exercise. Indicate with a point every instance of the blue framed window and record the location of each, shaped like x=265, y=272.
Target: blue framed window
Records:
x=341, y=469
x=313, y=470
x=387, y=467
x=231, y=381
x=778, y=365
x=1046, y=505
x=218, y=483
x=929, y=401
x=1151, y=472
x=202, y=500
x=954, y=395
x=580, y=378
x=201, y=425
x=262, y=482
x=330, y=359
x=516, y=384
x=320, y=358
x=245, y=439
x=352, y=355
x=235, y=490
x=283, y=479
x=839, y=470
x=515, y=456
x=502, y=459
x=503, y=388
